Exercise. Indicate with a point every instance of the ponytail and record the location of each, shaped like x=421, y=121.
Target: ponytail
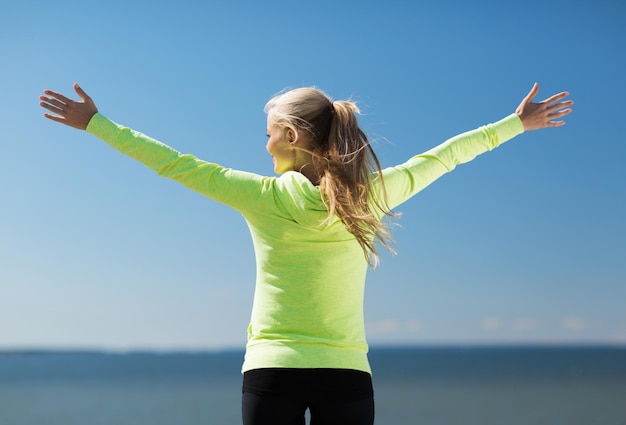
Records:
x=342, y=159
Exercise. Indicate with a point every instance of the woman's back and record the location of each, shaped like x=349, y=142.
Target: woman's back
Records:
x=308, y=304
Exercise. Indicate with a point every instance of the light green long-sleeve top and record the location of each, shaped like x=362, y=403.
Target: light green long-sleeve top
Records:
x=310, y=279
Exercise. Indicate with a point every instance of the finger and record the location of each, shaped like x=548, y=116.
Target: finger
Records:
x=81, y=93
x=561, y=105
x=59, y=96
x=51, y=108
x=52, y=101
x=560, y=114
x=556, y=97
x=54, y=118
x=532, y=93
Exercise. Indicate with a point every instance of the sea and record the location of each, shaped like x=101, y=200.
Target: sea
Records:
x=413, y=385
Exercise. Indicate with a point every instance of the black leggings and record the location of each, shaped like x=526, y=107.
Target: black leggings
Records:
x=282, y=396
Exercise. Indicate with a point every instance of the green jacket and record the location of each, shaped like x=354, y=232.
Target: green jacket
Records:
x=310, y=279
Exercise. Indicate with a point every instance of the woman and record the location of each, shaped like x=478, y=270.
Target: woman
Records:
x=314, y=229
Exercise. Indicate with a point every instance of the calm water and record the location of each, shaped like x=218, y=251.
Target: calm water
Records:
x=469, y=386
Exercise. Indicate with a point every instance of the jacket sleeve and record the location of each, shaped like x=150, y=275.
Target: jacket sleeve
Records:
x=237, y=189
x=405, y=180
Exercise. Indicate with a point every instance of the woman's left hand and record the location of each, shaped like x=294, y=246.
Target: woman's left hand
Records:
x=542, y=115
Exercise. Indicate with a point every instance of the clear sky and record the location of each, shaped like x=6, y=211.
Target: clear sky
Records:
x=525, y=244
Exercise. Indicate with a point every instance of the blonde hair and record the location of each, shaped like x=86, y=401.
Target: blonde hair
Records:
x=342, y=159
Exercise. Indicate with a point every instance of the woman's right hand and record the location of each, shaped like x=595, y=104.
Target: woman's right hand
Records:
x=68, y=111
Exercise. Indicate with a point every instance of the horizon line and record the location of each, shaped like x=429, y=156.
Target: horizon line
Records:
x=373, y=347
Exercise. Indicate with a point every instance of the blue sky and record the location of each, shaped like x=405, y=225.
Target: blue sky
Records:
x=525, y=244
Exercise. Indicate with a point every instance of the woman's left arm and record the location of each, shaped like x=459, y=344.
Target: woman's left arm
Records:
x=405, y=180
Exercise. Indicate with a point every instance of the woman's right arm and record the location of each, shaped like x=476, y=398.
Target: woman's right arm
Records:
x=237, y=189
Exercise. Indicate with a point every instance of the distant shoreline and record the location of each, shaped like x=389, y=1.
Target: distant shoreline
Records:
x=373, y=349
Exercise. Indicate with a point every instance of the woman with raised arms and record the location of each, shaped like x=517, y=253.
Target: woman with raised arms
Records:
x=315, y=230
